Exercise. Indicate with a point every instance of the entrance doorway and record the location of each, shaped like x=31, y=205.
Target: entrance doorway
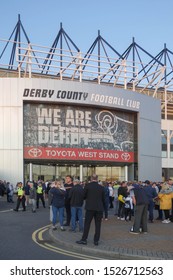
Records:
x=47, y=172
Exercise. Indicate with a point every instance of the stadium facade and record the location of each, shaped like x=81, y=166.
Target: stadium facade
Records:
x=57, y=127
x=63, y=112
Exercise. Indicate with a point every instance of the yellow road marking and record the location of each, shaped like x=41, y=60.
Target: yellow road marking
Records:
x=66, y=253
x=38, y=235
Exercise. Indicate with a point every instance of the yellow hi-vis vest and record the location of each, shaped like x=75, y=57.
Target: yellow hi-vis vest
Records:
x=20, y=191
x=39, y=190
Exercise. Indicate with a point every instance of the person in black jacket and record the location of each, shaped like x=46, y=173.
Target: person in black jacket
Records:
x=152, y=194
x=94, y=206
x=76, y=196
x=68, y=185
x=2, y=188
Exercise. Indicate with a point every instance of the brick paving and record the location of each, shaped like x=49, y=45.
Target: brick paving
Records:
x=117, y=242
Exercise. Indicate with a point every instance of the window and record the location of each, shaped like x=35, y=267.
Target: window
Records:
x=171, y=143
x=164, y=143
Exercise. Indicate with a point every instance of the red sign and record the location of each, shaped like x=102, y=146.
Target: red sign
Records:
x=77, y=154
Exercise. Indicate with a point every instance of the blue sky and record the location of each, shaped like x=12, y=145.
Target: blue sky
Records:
x=149, y=21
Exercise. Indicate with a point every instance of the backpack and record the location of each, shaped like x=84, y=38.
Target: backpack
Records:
x=127, y=204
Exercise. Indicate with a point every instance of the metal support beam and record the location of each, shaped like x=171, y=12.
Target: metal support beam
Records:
x=30, y=172
x=81, y=172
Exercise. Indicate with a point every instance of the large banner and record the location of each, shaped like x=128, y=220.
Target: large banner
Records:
x=78, y=133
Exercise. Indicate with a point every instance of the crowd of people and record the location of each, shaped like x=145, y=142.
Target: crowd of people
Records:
x=67, y=198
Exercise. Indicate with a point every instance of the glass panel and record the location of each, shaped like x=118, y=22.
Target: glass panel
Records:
x=74, y=172
x=87, y=172
x=116, y=173
x=171, y=173
x=36, y=172
x=57, y=171
x=101, y=172
x=26, y=172
x=171, y=143
x=85, y=175
x=109, y=173
x=47, y=172
x=64, y=171
x=77, y=172
x=164, y=154
x=164, y=143
x=50, y=172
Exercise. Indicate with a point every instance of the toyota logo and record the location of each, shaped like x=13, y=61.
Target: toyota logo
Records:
x=35, y=152
x=125, y=156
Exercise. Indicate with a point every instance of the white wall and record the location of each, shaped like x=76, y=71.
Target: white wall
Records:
x=11, y=131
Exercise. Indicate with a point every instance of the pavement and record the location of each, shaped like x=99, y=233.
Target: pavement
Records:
x=117, y=243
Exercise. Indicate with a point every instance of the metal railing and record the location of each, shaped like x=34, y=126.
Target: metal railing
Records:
x=35, y=60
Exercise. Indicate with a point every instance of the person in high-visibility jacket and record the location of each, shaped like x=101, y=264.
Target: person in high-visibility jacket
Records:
x=40, y=194
x=20, y=197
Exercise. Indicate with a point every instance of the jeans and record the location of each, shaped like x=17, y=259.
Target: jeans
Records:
x=116, y=205
x=56, y=211
x=106, y=207
x=33, y=202
x=76, y=212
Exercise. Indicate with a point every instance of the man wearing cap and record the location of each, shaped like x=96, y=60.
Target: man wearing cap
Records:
x=94, y=206
x=76, y=197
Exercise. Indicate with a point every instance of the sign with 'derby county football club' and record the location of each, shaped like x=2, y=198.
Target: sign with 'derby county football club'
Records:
x=81, y=97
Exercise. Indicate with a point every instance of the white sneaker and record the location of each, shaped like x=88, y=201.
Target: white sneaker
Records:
x=118, y=218
x=122, y=219
x=54, y=228
x=133, y=232
x=167, y=221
